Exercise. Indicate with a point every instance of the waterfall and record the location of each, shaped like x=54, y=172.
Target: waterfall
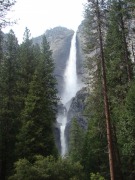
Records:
x=70, y=75
x=70, y=89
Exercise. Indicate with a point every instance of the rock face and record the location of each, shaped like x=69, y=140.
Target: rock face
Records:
x=56, y=131
x=76, y=110
x=80, y=46
x=59, y=39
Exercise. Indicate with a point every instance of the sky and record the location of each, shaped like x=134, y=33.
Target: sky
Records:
x=40, y=15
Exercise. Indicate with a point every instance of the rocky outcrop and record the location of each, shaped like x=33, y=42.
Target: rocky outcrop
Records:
x=56, y=131
x=76, y=110
x=80, y=49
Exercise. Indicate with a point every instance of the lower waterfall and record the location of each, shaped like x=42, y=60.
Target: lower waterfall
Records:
x=70, y=89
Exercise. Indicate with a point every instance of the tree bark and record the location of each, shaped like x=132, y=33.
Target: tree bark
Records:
x=106, y=104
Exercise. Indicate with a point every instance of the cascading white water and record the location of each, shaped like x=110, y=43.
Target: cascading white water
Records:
x=70, y=75
x=62, y=133
x=70, y=89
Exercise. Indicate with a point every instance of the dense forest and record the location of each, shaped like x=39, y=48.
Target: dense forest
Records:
x=28, y=101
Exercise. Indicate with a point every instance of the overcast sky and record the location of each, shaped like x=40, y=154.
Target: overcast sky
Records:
x=39, y=15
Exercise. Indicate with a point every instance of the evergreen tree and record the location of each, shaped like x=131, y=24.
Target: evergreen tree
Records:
x=98, y=7
x=8, y=106
x=119, y=69
x=76, y=141
x=39, y=114
x=94, y=156
x=126, y=133
x=118, y=31
x=27, y=64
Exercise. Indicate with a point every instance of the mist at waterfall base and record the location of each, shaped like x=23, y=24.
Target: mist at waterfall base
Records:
x=71, y=87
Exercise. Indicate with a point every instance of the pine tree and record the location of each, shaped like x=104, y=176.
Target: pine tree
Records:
x=119, y=69
x=97, y=8
x=125, y=114
x=76, y=141
x=8, y=106
x=120, y=9
x=107, y=30
x=39, y=114
x=28, y=61
x=94, y=156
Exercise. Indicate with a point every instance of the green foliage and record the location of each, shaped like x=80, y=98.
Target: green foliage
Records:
x=8, y=105
x=47, y=168
x=28, y=64
x=116, y=65
x=28, y=101
x=76, y=141
x=94, y=156
x=39, y=114
x=36, y=135
x=126, y=133
x=119, y=73
x=96, y=176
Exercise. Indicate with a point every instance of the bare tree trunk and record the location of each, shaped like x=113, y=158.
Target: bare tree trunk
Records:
x=106, y=104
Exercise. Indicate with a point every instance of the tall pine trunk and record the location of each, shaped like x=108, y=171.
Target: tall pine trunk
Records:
x=106, y=104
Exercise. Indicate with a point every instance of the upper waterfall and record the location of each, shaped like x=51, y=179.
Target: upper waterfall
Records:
x=70, y=75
